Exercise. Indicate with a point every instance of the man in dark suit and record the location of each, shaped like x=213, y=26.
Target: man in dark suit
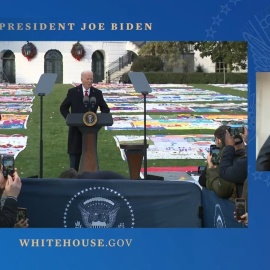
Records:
x=74, y=101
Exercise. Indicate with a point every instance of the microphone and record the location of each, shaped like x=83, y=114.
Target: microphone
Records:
x=92, y=103
x=86, y=101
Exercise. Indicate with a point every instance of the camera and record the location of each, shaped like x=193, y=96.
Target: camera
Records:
x=236, y=130
x=21, y=214
x=215, y=152
x=240, y=207
x=8, y=165
x=201, y=169
x=212, y=146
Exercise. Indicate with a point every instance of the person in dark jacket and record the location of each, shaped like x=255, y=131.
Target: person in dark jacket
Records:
x=263, y=159
x=219, y=141
x=221, y=187
x=233, y=163
x=73, y=103
x=11, y=187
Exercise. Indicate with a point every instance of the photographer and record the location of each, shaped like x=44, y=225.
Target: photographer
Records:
x=233, y=164
x=9, y=187
x=221, y=187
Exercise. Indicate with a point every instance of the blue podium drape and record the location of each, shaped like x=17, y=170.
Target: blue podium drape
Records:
x=218, y=212
x=85, y=203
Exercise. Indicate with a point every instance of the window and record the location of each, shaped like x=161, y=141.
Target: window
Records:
x=221, y=67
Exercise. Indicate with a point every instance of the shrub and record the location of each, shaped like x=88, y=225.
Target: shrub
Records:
x=147, y=63
x=193, y=77
x=199, y=68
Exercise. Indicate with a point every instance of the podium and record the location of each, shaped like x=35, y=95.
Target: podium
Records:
x=134, y=153
x=89, y=159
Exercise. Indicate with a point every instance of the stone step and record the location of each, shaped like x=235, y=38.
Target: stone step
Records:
x=116, y=75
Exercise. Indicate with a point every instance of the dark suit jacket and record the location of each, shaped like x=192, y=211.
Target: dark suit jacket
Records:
x=74, y=101
x=263, y=159
x=8, y=214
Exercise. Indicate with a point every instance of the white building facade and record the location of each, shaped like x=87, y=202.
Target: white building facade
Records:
x=103, y=58
x=56, y=57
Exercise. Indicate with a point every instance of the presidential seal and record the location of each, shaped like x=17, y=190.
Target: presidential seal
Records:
x=90, y=119
x=98, y=207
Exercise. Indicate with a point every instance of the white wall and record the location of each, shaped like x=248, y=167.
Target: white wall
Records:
x=30, y=71
x=206, y=63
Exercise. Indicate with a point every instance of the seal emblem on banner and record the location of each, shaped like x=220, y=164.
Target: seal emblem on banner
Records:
x=98, y=207
x=90, y=119
x=219, y=220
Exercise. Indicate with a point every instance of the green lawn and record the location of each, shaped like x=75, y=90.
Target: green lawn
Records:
x=55, y=131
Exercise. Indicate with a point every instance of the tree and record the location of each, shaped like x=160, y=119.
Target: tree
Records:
x=147, y=63
x=233, y=54
x=168, y=51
